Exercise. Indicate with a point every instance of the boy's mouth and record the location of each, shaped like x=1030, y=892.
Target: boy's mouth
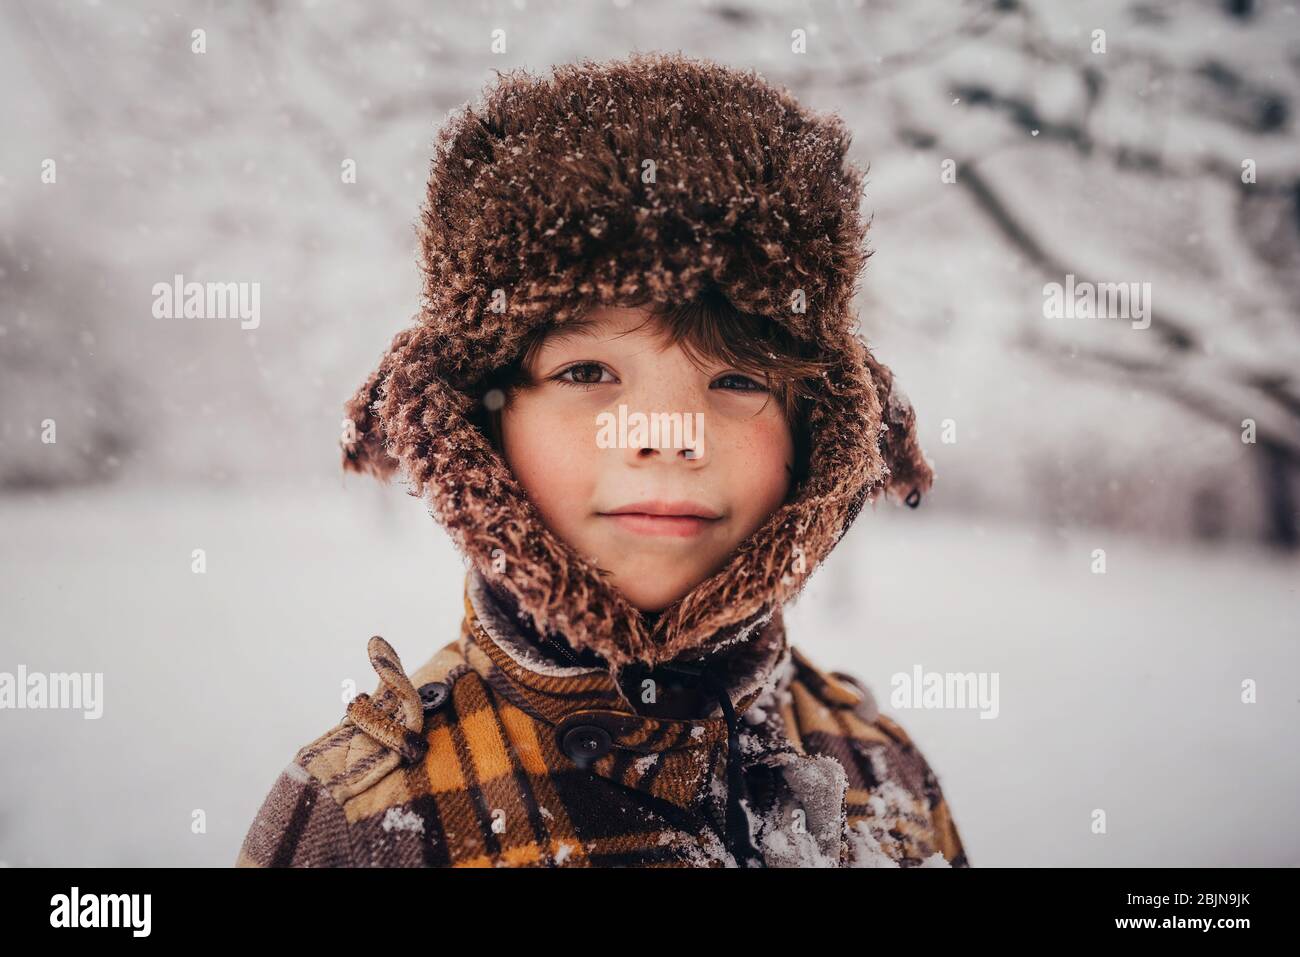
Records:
x=679, y=519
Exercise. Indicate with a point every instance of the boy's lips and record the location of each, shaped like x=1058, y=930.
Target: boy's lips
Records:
x=678, y=519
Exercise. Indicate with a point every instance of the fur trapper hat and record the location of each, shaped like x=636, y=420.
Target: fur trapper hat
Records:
x=539, y=198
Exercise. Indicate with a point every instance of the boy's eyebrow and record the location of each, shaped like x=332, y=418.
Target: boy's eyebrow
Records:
x=568, y=330
x=579, y=328
x=560, y=332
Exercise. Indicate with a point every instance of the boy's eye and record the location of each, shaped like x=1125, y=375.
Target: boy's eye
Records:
x=736, y=382
x=583, y=374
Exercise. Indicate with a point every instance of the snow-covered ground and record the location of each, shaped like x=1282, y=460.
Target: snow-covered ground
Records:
x=1118, y=692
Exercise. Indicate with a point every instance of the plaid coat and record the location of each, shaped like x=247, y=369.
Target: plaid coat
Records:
x=491, y=755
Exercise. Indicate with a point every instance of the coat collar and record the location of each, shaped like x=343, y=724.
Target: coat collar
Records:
x=671, y=757
x=679, y=762
x=750, y=659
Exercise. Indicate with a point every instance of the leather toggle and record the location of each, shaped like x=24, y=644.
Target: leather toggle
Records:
x=395, y=715
x=369, y=718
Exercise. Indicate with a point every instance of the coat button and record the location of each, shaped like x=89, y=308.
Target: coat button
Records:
x=434, y=695
x=585, y=743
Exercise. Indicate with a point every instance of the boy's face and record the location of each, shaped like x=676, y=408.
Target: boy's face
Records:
x=554, y=442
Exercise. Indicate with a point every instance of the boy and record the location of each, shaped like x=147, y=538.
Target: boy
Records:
x=634, y=399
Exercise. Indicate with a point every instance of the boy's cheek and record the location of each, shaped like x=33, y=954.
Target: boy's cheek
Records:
x=755, y=466
x=569, y=420
x=562, y=442
x=551, y=456
x=761, y=445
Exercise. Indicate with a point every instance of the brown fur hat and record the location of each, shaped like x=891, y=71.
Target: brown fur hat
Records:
x=653, y=177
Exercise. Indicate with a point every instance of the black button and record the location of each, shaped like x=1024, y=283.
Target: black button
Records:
x=585, y=743
x=434, y=695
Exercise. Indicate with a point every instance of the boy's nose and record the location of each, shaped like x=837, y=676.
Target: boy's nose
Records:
x=682, y=442
x=690, y=455
x=666, y=420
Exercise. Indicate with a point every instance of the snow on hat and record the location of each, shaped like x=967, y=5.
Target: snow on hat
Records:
x=653, y=178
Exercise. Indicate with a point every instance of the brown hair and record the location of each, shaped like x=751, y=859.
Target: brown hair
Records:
x=707, y=327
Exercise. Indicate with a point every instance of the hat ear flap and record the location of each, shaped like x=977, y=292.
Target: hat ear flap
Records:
x=365, y=442
x=910, y=475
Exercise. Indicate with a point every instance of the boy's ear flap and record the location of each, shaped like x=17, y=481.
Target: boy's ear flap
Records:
x=364, y=441
x=910, y=475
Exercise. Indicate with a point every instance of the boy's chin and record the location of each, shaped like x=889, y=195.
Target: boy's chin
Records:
x=651, y=592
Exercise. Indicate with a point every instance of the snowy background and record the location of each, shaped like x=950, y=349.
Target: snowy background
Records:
x=1118, y=691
